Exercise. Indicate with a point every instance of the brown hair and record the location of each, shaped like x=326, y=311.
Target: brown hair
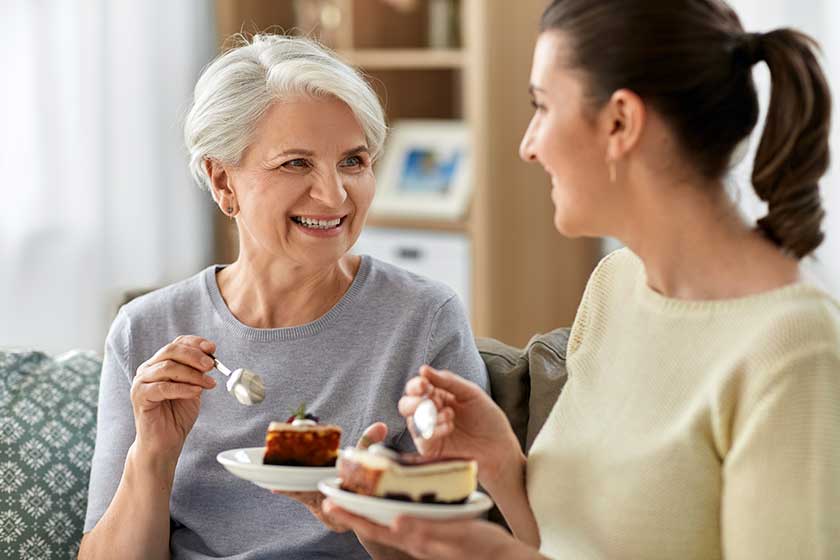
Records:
x=691, y=61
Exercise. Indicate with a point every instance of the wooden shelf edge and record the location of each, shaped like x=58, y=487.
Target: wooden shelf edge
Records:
x=403, y=59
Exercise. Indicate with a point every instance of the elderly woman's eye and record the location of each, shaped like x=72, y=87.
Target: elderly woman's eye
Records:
x=354, y=161
x=297, y=164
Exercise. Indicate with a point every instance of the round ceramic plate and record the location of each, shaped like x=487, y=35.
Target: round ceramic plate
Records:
x=247, y=463
x=382, y=511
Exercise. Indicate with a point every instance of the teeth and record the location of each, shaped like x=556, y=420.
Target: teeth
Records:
x=318, y=224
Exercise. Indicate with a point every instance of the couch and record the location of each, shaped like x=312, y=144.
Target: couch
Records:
x=48, y=427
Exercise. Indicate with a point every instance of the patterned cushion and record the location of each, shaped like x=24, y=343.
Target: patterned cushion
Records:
x=47, y=434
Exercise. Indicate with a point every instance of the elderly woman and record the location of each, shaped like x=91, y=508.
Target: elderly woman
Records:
x=283, y=134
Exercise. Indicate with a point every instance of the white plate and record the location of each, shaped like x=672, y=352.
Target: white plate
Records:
x=382, y=511
x=247, y=463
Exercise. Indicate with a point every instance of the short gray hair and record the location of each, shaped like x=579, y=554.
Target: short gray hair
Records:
x=236, y=89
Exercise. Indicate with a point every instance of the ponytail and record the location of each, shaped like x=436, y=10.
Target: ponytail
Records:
x=793, y=153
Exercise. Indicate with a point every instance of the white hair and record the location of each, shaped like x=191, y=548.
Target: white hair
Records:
x=236, y=89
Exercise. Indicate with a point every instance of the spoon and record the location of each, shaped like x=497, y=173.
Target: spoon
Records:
x=244, y=384
x=425, y=418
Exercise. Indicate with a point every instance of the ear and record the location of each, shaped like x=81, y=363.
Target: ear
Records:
x=624, y=119
x=220, y=184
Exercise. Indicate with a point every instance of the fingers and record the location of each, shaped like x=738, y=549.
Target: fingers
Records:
x=375, y=433
x=424, y=538
x=180, y=361
x=309, y=499
x=191, y=340
x=445, y=389
x=419, y=537
x=408, y=403
x=312, y=501
x=455, y=385
x=186, y=350
x=421, y=387
x=164, y=391
x=174, y=372
x=363, y=528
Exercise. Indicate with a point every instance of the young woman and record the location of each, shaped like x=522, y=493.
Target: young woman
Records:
x=701, y=418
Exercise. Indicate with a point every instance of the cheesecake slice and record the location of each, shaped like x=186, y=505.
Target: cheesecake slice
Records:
x=301, y=443
x=384, y=473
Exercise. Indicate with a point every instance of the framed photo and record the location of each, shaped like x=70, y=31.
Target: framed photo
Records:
x=424, y=171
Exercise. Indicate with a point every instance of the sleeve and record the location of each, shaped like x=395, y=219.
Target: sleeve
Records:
x=114, y=421
x=451, y=344
x=781, y=477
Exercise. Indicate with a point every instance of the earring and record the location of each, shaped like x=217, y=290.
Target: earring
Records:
x=230, y=210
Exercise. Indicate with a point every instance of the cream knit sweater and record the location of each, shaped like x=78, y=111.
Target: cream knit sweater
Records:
x=703, y=429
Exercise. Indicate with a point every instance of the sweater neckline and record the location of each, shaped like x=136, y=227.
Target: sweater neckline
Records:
x=655, y=300
x=283, y=333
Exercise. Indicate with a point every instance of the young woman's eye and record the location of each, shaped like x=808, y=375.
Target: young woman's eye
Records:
x=537, y=106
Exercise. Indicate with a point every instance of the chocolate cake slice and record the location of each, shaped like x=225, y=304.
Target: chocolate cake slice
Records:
x=301, y=442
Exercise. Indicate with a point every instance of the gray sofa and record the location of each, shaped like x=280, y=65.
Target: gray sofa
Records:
x=48, y=427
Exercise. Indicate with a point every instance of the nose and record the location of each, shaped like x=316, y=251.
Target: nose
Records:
x=526, y=147
x=329, y=190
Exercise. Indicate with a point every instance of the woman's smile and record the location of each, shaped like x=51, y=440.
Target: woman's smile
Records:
x=320, y=226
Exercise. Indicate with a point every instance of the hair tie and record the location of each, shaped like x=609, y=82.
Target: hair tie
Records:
x=749, y=48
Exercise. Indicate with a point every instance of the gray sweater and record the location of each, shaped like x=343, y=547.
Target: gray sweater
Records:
x=350, y=367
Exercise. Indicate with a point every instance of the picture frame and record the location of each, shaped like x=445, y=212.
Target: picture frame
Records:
x=424, y=171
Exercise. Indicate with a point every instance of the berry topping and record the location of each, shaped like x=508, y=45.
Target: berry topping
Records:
x=301, y=414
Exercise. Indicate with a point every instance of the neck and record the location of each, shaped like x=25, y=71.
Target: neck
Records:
x=695, y=245
x=277, y=294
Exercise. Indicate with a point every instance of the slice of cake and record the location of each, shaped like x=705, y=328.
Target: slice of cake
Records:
x=384, y=473
x=301, y=441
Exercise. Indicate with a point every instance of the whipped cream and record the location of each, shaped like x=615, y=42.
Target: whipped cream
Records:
x=302, y=422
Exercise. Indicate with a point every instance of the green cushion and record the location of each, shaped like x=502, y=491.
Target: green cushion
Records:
x=525, y=382
x=47, y=435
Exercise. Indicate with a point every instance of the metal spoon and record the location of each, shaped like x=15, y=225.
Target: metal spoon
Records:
x=425, y=418
x=244, y=384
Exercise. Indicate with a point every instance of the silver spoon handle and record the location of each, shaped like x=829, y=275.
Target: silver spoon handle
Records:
x=220, y=366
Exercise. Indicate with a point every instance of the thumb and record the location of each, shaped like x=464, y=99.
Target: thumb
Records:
x=375, y=433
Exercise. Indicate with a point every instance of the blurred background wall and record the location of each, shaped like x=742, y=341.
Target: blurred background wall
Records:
x=96, y=201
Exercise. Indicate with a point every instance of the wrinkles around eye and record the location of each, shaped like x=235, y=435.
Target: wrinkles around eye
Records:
x=298, y=163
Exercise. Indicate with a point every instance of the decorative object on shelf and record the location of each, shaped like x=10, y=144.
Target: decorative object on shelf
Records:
x=323, y=20
x=402, y=5
x=443, y=24
x=425, y=171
